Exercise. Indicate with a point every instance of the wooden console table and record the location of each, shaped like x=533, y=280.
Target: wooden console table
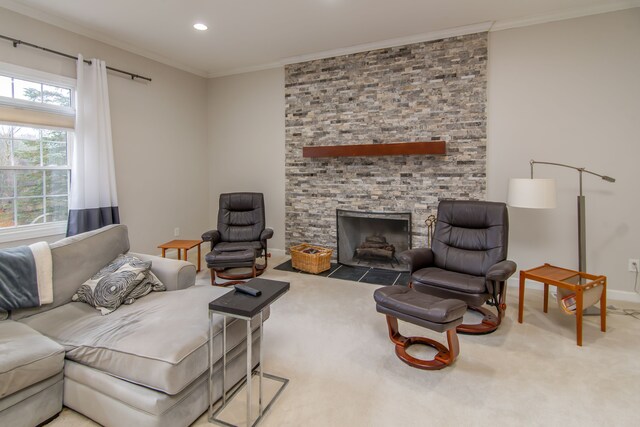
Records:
x=572, y=281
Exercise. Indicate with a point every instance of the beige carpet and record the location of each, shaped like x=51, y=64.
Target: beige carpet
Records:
x=326, y=337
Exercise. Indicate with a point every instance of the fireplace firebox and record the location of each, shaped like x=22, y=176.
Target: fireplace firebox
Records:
x=373, y=239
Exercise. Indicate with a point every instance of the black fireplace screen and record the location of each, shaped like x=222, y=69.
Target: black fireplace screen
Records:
x=372, y=239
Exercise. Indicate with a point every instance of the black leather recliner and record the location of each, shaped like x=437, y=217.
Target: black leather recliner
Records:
x=241, y=226
x=467, y=260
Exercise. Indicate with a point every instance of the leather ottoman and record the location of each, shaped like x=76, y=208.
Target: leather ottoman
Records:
x=218, y=262
x=437, y=314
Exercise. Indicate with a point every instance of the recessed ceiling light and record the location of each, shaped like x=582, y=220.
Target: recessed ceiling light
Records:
x=200, y=27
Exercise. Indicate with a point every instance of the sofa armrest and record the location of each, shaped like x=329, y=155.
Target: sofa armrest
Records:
x=417, y=258
x=173, y=273
x=501, y=271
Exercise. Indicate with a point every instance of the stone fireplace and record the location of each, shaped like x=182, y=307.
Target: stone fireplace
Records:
x=372, y=239
x=427, y=91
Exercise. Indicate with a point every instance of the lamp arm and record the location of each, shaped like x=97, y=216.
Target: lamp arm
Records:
x=605, y=177
x=535, y=162
x=581, y=209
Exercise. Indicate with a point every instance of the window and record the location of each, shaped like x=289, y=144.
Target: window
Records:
x=36, y=130
x=34, y=92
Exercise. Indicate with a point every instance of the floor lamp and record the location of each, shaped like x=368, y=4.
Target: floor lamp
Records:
x=541, y=194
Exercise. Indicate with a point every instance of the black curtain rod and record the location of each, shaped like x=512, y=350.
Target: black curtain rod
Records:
x=17, y=42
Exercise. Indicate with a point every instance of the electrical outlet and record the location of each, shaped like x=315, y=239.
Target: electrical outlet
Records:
x=176, y=233
x=634, y=265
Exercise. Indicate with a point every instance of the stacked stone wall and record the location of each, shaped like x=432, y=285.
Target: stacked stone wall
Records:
x=426, y=91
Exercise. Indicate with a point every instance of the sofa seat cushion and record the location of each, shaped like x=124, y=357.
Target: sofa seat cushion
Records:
x=26, y=357
x=159, y=342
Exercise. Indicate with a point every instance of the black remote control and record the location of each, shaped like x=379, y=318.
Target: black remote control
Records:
x=248, y=290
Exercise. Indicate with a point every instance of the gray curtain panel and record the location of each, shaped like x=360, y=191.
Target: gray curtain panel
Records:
x=83, y=220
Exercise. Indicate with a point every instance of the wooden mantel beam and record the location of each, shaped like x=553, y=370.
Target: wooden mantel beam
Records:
x=393, y=149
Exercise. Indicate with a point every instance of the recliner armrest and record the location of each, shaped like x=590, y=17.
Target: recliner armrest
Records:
x=417, y=258
x=212, y=236
x=267, y=233
x=501, y=271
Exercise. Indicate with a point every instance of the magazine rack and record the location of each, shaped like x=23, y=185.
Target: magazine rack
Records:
x=587, y=288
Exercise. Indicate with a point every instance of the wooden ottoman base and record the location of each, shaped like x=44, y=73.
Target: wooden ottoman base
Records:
x=444, y=358
x=235, y=279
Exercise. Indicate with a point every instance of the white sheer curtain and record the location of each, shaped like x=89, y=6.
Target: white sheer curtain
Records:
x=93, y=200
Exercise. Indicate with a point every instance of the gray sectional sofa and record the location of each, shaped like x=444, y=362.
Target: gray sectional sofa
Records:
x=145, y=364
x=30, y=375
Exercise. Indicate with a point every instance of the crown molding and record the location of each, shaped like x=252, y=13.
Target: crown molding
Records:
x=73, y=27
x=436, y=35
x=564, y=14
x=383, y=44
x=402, y=41
x=246, y=70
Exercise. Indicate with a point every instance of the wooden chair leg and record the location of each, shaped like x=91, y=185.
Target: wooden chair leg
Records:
x=491, y=321
x=454, y=344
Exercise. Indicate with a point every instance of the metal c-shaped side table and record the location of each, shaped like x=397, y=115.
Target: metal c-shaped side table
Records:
x=244, y=307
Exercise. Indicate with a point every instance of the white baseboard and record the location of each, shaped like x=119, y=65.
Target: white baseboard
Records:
x=277, y=252
x=612, y=294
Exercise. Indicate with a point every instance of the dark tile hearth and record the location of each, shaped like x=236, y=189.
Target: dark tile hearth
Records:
x=346, y=272
x=377, y=276
x=374, y=276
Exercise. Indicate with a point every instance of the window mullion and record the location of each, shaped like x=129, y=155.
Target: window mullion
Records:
x=40, y=146
x=44, y=193
x=15, y=198
x=11, y=159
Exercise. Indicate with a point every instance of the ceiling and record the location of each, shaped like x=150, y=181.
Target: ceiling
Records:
x=246, y=35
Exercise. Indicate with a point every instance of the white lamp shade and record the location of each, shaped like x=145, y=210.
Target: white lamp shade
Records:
x=532, y=193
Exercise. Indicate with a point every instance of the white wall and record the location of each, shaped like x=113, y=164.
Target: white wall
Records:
x=566, y=91
x=569, y=92
x=246, y=142
x=159, y=131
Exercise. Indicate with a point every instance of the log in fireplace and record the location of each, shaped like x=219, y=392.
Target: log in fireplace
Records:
x=373, y=239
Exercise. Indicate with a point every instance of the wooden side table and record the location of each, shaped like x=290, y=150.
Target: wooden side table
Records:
x=181, y=245
x=566, y=279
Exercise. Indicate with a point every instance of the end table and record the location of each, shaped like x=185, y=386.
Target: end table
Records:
x=564, y=278
x=244, y=307
x=182, y=245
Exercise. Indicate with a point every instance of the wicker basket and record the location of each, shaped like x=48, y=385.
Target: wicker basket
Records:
x=315, y=263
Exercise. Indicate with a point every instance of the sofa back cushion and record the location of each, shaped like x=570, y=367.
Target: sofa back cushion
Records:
x=77, y=258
